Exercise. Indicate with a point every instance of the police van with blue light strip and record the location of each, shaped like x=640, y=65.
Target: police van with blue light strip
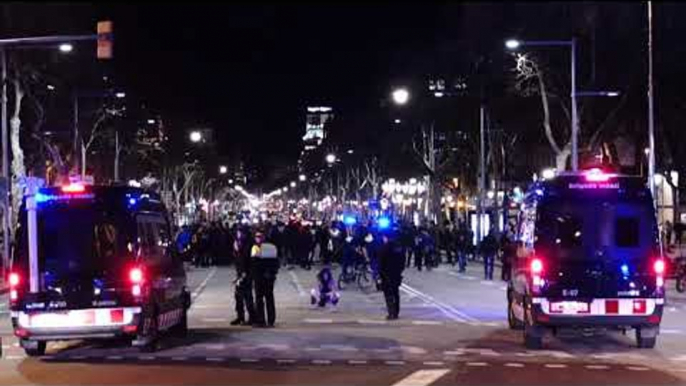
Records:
x=588, y=256
x=107, y=269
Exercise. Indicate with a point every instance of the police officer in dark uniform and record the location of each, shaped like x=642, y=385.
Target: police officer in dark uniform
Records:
x=265, y=266
x=243, y=283
x=391, y=266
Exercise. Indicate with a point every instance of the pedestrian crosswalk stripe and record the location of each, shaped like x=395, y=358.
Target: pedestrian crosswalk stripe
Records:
x=422, y=377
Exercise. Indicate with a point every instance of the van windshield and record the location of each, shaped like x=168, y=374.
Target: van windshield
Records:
x=593, y=228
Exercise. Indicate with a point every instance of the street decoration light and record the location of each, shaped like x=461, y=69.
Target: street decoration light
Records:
x=293, y=184
x=223, y=169
x=302, y=178
x=330, y=158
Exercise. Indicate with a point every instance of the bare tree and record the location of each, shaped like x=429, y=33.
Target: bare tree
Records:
x=103, y=118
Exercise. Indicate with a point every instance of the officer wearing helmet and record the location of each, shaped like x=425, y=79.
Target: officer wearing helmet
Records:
x=391, y=265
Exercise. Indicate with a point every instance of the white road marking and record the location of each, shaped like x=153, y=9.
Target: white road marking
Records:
x=78, y=357
x=249, y=360
x=477, y=364
x=434, y=363
x=427, y=322
x=115, y=357
x=215, y=359
x=395, y=363
x=637, y=368
x=215, y=320
x=339, y=347
x=371, y=321
x=202, y=285
x=296, y=281
x=486, y=282
x=179, y=358
x=670, y=331
x=357, y=362
x=321, y=362
x=447, y=309
x=313, y=349
x=487, y=352
x=515, y=365
x=413, y=350
x=382, y=350
x=318, y=321
x=422, y=377
x=680, y=358
x=15, y=357
x=555, y=365
x=597, y=367
x=274, y=346
x=285, y=361
x=147, y=357
x=214, y=346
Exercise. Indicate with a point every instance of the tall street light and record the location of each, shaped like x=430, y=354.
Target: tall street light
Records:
x=195, y=136
x=514, y=44
x=400, y=96
x=223, y=169
x=302, y=178
x=330, y=158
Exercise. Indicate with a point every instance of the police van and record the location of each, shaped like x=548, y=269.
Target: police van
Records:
x=588, y=256
x=106, y=268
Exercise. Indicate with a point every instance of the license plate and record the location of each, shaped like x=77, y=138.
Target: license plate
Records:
x=63, y=319
x=569, y=307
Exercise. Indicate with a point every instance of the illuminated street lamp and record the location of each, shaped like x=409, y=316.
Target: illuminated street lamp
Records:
x=400, y=96
x=330, y=158
x=302, y=178
x=223, y=169
x=120, y=95
x=293, y=184
x=66, y=47
x=195, y=136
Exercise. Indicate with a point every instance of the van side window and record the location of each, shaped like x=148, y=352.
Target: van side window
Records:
x=154, y=238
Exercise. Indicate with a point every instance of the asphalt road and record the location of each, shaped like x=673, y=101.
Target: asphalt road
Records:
x=452, y=330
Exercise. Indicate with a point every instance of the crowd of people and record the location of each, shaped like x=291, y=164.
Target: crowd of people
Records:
x=258, y=251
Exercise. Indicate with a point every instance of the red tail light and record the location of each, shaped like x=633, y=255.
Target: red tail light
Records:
x=73, y=188
x=136, y=275
x=14, y=279
x=659, y=267
x=536, y=266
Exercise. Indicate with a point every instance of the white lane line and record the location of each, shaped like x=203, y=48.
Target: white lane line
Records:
x=637, y=368
x=371, y=321
x=597, y=367
x=555, y=366
x=514, y=365
x=427, y=322
x=179, y=358
x=285, y=361
x=318, y=321
x=202, y=285
x=395, y=363
x=215, y=320
x=357, y=362
x=434, y=363
x=670, y=331
x=422, y=377
x=313, y=349
x=147, y=357
x=296, y=282
x=321, y=362
x=477, y=364
x=115, y=357
x=15, y=357
x=450, y=311
x=249, y=360
x=679, y=358
x=215, y=359
x=486, y=282
x=78, y=357
x=382, y=350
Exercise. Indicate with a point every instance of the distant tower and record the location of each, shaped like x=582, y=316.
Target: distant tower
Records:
x=315, y=129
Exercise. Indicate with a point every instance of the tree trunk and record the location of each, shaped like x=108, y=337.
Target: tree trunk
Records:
x=18, y=167
x=561, y=158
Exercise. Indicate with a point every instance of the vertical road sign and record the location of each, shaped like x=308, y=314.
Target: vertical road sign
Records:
x=105, y=40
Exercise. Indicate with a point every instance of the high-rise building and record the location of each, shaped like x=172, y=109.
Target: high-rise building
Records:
x=315, y=130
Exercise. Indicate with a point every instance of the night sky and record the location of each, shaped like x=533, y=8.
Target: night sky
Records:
x=250, y=71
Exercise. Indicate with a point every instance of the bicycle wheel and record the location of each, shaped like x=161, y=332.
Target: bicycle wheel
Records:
x=364, y=281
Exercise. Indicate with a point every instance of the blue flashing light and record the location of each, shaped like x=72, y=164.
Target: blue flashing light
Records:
x=384, y=222
x=539, y=192
x=40, y=198
x=625, y=269
x=132, y=201
x=349, y=220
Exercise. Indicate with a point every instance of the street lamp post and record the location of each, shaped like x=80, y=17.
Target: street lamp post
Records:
x=513, y=44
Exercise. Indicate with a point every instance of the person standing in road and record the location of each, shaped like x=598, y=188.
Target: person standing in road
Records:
x=489, y=248
x=244, y=280
x=265, y=269
x=462, y=247
x=391, y=266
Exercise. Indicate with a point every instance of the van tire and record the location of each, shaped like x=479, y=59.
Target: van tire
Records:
x=37, y=351
x=643, y=341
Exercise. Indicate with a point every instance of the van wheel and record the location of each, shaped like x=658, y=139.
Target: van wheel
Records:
x=643, y=341
x=36, y=351
x=181, y=328
x=151, y=334
x=512, y=319
x=533, y=338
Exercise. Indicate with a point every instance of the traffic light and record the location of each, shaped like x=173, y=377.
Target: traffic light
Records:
x=105, y=40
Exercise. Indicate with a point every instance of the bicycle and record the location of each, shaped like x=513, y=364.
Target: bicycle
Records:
x=361, y=275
